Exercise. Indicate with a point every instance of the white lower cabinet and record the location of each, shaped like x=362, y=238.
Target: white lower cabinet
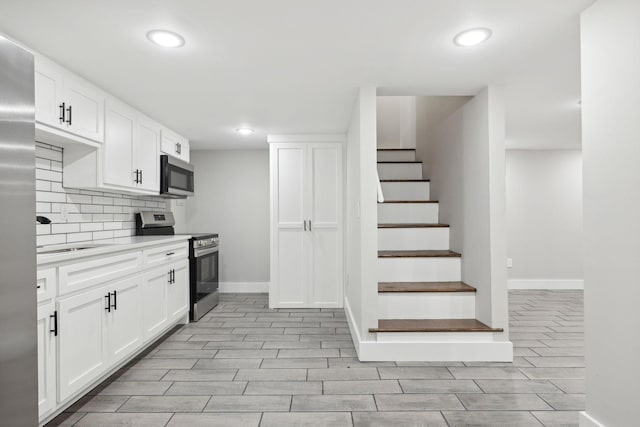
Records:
x=124, y=319
x=46, y=357
x=178, y=291
x=85, y=331
x=82, y=340
x=154, y=294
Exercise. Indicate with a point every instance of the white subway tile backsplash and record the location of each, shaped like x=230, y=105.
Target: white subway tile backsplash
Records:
x=51, y=239
x=64, y=228
x=90, y=215
x=92, y=226
x=91, y=208
x=49, y=175
x=43, y=185
x=79, y=237
x=100, y=200
x=97, y=235
x=47, y=196
x=102, y=217
x=43, y=207
x=78, y=198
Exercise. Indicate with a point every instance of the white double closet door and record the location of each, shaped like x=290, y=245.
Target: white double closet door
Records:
x=306, y=225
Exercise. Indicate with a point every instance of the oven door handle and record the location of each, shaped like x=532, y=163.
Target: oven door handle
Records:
x=200, y=252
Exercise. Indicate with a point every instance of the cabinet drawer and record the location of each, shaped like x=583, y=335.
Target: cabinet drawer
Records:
x=46, y=284
x=84, y=274
x=165, y=254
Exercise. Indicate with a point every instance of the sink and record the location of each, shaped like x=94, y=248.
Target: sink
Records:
x=57, y=249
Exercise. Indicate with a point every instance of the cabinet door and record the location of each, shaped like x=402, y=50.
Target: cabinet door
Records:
x=82, y=353
x=125, y=318
x=117, y=152
x=154, y=295
x=87, y=108
x=290, y=240
x=178, y=291
x=325, y=170
x=46, y=359
x=174, y=145
x=147, y=157
x=48, y=92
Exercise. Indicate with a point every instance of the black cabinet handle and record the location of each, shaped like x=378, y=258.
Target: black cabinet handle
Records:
x=62, y=110
x=170, y=277
x=140, y=177
x=54, y=316
x=69, y=118
x=115, y=301
x=108, y=307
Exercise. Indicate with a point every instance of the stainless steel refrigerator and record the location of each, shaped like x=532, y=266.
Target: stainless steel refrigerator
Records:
x=18, y=337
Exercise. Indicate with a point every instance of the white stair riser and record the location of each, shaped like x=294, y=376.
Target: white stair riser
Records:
x=419, y=269
x=399, y=239
x=427, y=305
x=397, y=156
x=435, y=337
x=404, y=213
x=400, y=170
x=405, y=190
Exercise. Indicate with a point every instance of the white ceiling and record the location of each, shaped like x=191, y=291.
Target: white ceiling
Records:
x=293, y=66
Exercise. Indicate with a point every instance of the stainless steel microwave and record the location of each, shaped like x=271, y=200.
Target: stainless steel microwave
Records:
x=176, y=178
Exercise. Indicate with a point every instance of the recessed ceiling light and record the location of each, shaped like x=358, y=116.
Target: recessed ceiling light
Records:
x=165, y=38
x=472, y=37
x=244, y=131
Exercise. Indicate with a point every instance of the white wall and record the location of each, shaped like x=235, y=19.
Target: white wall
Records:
x=611, y=152
x=465, y=157
x=232, y=199
x=361, y=293
x=544, y=218
x=396, y=121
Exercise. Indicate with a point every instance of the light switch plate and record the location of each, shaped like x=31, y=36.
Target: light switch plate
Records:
x=509, y=263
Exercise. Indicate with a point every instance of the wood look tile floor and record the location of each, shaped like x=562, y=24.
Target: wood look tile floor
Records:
x=246, y=365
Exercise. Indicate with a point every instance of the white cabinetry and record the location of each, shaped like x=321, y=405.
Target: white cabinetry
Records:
x=46, y=324
x=178, y=291
x=82, y=340
x=120, y=137
x=174, y=145
x=306, y=229
x=146, y=155
x=124, y=319
x=154, y=294
x=67, y=103
x=96, y=312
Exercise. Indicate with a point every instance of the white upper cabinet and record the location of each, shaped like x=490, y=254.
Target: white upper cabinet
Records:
x=118, y=149
x=306, y=234
x=146, y=156
x=68, y=103
x=174, y=145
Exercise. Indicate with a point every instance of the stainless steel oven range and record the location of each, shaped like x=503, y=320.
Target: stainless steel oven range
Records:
x=203, y=259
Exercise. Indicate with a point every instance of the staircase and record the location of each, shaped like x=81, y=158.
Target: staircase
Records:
x=425, y=311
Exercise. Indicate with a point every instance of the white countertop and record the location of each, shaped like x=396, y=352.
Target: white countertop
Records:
x=100, y=247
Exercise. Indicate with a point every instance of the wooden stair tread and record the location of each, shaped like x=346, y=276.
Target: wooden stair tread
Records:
x=384, y=287
x=400, y=161
x=410, y=201
x=432, y=325
x=415, y=225
x=405, y=180
x=418, y=254
x=396, y=149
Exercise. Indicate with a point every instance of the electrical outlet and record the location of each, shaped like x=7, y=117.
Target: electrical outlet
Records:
x=509, y=263
x=64, y=211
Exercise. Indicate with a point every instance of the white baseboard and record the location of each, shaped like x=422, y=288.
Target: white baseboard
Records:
x=496, y=351
x=546, y=284
x=587, y=420
x=243, y=287
x=353, y=326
